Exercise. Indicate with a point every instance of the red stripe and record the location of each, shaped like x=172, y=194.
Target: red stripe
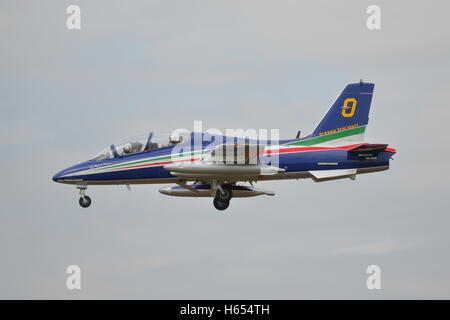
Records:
x=310, y=149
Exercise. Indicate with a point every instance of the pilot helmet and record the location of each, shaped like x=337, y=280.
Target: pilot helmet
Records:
x=127, y=148
x=174, y=138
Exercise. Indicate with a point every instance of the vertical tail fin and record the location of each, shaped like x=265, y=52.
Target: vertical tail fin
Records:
x=348, y=116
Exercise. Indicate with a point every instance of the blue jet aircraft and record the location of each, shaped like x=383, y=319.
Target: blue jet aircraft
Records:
x=206, y=165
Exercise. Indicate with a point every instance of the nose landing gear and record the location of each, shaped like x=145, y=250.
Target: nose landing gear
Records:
x=221, y=204
x=222, y=199
x=84, y=201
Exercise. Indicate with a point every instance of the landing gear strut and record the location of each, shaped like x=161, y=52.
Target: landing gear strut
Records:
x=223, y=194
x=84, y=201
x=222, y=198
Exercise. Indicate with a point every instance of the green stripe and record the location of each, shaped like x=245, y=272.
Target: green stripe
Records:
x=328, y=137
x=150, y=160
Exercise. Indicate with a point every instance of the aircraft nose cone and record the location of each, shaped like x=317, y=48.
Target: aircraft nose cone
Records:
x=57, y=176
x=62, y=175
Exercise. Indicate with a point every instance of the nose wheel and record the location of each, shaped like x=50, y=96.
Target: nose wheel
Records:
x=85, y=201
x=221, y=204
x=222, y=199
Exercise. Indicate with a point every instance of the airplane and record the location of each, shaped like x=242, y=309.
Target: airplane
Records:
x=201, y=164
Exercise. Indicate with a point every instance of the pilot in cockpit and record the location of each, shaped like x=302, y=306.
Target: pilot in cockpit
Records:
x=175, y=139
x=132, y=147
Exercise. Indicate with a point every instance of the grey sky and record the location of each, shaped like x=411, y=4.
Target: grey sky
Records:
x=150, y=65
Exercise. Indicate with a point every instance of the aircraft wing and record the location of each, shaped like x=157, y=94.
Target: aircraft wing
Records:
x=234, y=162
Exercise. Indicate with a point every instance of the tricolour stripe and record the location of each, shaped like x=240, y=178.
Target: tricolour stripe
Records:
x=328, y=137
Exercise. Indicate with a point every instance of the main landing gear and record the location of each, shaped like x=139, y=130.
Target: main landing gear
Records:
x=84, y=201
x=222, y=199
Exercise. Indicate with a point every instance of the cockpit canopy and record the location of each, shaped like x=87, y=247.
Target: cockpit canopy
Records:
x=140, y=143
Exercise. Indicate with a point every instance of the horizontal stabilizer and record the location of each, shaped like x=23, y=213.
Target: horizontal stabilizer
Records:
x=333, y=174
x=368, y=147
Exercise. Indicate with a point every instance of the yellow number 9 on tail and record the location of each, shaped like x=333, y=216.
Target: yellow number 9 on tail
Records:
x=345, y=107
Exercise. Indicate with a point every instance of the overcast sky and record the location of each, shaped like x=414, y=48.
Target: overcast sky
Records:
x=137, y=66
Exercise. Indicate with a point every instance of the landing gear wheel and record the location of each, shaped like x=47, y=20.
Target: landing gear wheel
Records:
x=220, y=204
x=224, y=195
x=85, y=201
